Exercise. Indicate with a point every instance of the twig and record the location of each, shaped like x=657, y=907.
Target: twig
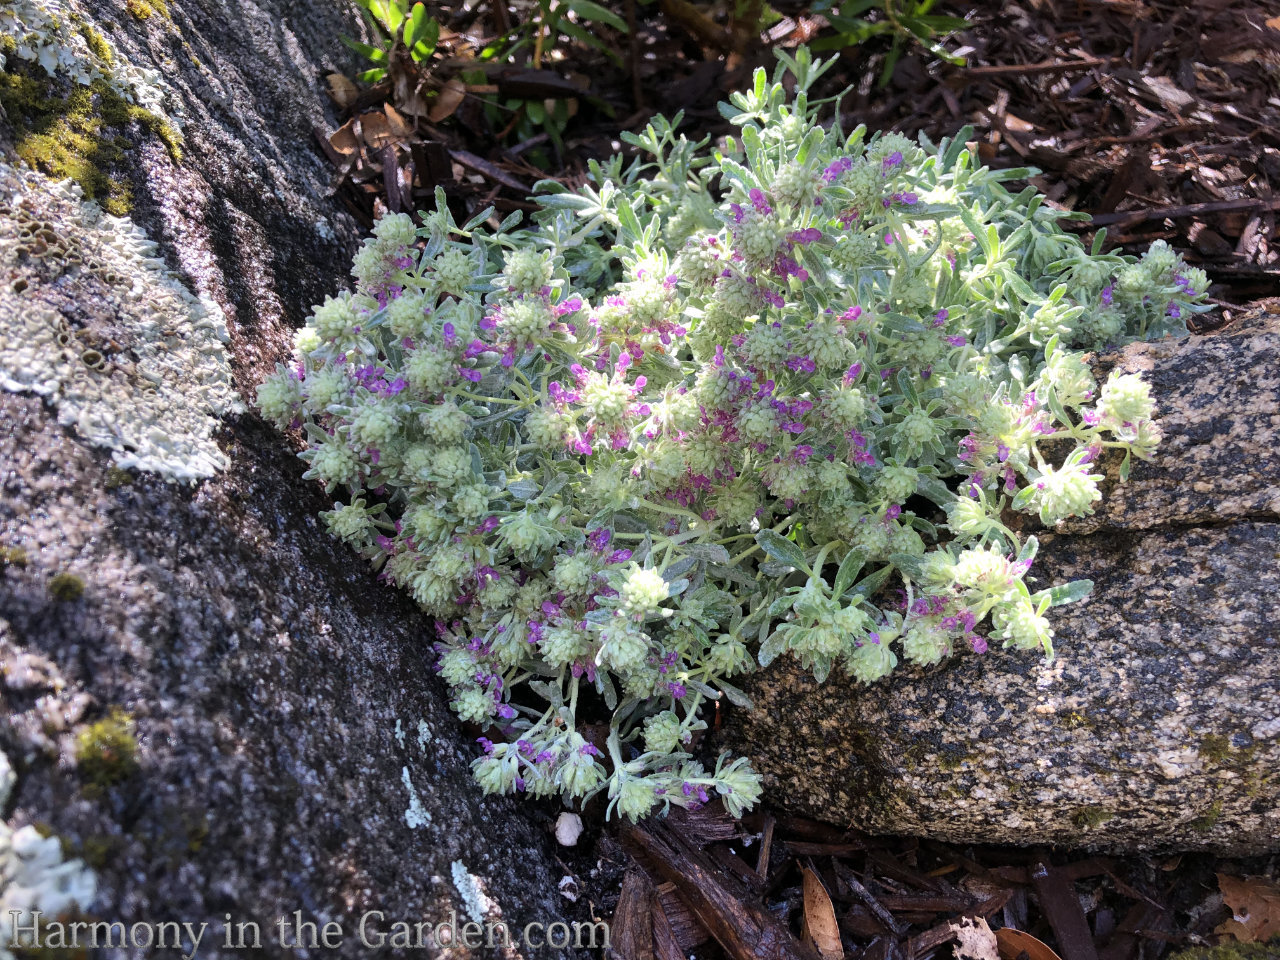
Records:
x=766, y=844
x=1186, y=210
x=875, y=906
x=1045, y=66
x=490, y=170
x=705, y=30
x=1062, y=909
x=745, y=930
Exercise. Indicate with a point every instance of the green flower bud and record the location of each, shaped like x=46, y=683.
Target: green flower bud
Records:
x=1068, y=492
x=580, y=773
x=700, y=262
x=623, y=647
x=739, y=787
x=871, y=661
x=563, y=645
x=334, y=319
x=1126, y=398
x=663, y=733
x=1020, y=626
x=634, y=795
x=895, y=484
x=351, y=522
x=472, y=705
x=454, y=270
x=374, y=424
x=279, y=396
x=395, y=230
x=406, y=315
x=323, y=387
x=642, y=592
x=526, y=271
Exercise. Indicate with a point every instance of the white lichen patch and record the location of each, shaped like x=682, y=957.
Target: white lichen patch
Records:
x=152, y=383
x=54, y=34
x=475, y=902
x=33, y=875
x=415, y=815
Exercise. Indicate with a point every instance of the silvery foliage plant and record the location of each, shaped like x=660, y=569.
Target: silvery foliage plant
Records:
x=776, y=397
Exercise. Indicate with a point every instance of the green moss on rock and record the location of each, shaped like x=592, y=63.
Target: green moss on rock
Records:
x=145, y=9
x=116, y=478
x=98, y=44
x=107, y=751
x=1211, y=816
x=13, y=557
x=1214, y=748
x=1233, y=950
x=66, y=587
x=1086, y=818
x=79, y=134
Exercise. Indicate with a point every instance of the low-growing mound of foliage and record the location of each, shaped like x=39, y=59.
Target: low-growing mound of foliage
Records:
x=725, y=404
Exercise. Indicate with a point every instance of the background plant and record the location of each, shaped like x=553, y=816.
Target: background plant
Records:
x=718, y=406
x=904, y=21
x=399, y=29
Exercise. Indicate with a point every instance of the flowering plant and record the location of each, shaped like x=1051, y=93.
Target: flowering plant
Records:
x=778, y=395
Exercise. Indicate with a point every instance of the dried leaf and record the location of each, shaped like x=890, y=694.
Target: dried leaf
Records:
x=1255, y=905
x=1013, y=943
x=343, y=140
x=342, y=91
x=375, y=129
x=820, y=918
x=450, y=98
x=974, y=940
x=1274, y=23
x=399, y=127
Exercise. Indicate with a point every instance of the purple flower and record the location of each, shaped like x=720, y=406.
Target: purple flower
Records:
x=808, y=235
x=1107, y=295
x=569, y=306
x=835, y=169
x=759, y=202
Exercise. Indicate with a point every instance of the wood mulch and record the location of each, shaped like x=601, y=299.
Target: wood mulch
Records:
x=1159, y=118
x=776, y=887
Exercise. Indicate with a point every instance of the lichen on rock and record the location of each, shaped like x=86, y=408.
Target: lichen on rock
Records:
x=54, y=35
x=91, y=320
x=33, y=874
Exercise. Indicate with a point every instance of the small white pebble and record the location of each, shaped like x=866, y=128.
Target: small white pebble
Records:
x=568, y=829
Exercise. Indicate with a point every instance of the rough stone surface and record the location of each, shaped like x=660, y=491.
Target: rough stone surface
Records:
x=1157, y=726
x=294, y=749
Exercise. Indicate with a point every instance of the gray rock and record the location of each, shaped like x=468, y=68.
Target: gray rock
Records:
x=1157, y=726
x=294, y=751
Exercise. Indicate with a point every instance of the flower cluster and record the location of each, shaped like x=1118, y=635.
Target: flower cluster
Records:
x=775, y=397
